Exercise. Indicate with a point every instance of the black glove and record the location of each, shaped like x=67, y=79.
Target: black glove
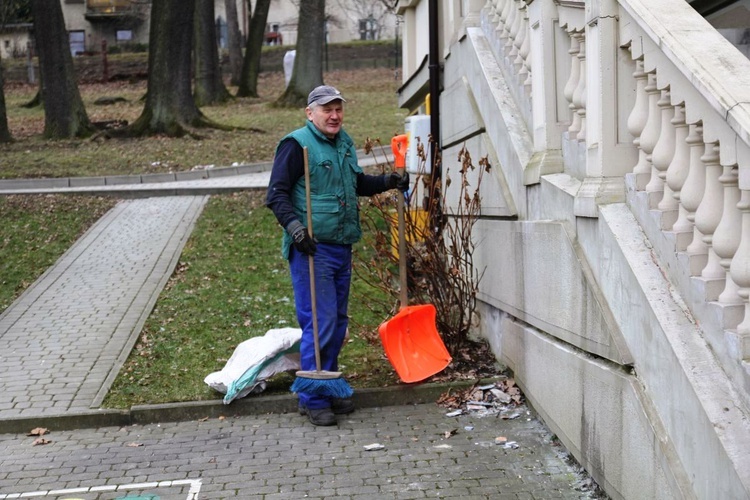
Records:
x=301, y=239
x=396, y=181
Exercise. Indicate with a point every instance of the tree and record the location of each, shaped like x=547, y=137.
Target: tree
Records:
x=234, y=42
x=209, y=85
x=8, y=13
x=170, y=107
x=64, y=113
x=308, y=63
x=5, y=135
x=248, y=86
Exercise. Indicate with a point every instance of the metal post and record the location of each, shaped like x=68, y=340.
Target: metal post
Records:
x=30, y=62
x=434, y=67
x=105, y=64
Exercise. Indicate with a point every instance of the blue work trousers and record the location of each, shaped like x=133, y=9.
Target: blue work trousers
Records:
x=333, y=273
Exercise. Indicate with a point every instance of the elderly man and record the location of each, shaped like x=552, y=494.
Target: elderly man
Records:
x=335, y=183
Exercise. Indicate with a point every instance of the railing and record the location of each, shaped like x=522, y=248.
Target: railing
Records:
x=109, y=6
x=662, y=102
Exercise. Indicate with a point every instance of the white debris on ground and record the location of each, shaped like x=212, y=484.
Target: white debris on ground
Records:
x=504, y=399
x=501, y=397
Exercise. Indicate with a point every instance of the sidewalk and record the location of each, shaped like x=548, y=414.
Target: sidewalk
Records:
x=64, y=340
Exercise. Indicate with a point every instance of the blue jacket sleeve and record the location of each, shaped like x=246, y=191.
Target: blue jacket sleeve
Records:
x=368, y=185
x=288, y=167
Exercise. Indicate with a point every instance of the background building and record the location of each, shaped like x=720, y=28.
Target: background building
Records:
x=121, y=22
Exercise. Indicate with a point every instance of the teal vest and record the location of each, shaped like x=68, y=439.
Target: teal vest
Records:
x=333, y=187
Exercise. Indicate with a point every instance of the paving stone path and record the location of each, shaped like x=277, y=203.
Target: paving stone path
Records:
x=65, y=338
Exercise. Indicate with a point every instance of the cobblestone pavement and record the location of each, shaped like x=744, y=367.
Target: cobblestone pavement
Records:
x=63, y=341
x=425, y=454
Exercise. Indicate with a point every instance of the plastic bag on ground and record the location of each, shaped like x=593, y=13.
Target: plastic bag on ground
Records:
x=254, y=361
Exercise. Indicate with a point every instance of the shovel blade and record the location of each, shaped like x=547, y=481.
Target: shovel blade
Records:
x=413, y=345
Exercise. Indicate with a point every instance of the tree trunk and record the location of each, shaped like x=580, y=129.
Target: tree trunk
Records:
x=234, y=42
x=34, y=102
x=308, y=63
x=4, y=130
x=170, y=106
x=248, y=86
x=209, y=85
x=64, y=113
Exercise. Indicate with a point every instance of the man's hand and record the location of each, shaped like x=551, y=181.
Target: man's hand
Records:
x=301, y=239
x=396, y=181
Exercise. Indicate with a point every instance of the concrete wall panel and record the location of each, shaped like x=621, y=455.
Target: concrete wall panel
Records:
x=536, y=274
x=594, y=407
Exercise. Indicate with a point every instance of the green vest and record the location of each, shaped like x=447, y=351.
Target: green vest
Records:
x=333, y=187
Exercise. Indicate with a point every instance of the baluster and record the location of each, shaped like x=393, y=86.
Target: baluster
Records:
x=504, y=29
x=572, y=84
x=664, y=151
x=652, y=130
x=708, y=215
x=527, y=81
x=493, y=13
x=678, y=167
x=695, y=185
x=526, y=55
x=518, y=62
x=740, y=270
x=499, y=19
x=499, y=23
x=580, y=92
x=639, y=116
x=727, y=235
x=511, y=29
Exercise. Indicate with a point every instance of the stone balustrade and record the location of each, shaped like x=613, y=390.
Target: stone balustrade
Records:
x=643, y=101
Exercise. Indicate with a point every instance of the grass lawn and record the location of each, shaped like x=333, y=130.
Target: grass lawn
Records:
x=231, y=282
x=371, y=111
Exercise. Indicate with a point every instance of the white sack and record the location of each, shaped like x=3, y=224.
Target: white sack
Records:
x=254, y=361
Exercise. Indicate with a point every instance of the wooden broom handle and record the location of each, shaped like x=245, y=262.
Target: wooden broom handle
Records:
x=311, y=262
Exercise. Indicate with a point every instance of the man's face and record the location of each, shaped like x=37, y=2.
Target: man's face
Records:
x=327, y=117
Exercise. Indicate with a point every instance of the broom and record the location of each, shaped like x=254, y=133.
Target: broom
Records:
x=319, y=382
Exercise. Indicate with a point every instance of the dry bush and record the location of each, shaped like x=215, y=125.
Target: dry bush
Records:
x=439, y=249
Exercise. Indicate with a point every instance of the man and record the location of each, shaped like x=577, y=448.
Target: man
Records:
x=336, y=180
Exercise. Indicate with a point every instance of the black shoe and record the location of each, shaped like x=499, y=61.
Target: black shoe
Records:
x=342, y=406
x=320, y=416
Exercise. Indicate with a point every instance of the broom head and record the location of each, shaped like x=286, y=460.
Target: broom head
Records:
x=322, y=383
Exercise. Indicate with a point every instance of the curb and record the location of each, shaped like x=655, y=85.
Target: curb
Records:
x=123, y=185
x=250, y=405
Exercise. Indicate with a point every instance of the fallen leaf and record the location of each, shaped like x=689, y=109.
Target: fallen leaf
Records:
x=134, y=445
x=39, y=441
x=39, y=431
x=450, y=433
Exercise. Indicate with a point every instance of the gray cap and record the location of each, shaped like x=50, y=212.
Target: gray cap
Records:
x=323, y=95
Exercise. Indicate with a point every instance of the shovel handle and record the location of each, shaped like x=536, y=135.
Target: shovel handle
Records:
x=311, y=262
x=403, y=292
x=399, y=144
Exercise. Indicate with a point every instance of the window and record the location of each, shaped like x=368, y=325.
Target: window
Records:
x=77, y=41
x=124, y=36
x=367, y=28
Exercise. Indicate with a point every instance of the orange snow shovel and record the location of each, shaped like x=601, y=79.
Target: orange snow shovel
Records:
x=410, y=339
